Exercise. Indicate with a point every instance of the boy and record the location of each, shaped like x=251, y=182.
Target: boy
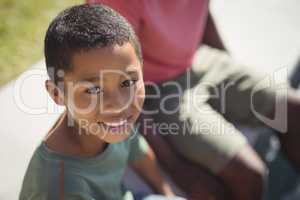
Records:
x=94, y=62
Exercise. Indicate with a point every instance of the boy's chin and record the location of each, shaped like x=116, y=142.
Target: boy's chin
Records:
x=116, y=137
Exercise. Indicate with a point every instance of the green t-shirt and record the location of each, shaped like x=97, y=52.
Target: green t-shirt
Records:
x=53, y=176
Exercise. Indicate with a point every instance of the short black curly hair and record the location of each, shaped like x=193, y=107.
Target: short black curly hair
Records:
x=82, y=28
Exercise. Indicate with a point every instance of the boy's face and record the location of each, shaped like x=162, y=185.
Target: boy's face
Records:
x=104, y=92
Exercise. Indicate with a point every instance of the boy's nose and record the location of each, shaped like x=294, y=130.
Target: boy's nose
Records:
x=114, y=103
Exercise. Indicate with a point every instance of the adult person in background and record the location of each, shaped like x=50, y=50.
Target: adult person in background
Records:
x=213, y=161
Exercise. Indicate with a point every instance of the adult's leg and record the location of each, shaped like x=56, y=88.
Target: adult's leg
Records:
x=242, y=102
x=290, y=139
x=209, y=140
x=239, y=92
x=193, y=179
x=214, y=143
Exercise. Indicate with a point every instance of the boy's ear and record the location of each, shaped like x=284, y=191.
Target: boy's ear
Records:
x=55, y=93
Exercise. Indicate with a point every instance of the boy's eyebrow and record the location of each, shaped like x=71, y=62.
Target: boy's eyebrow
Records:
x=131, y=72
x=91, y=79
x=97, y=78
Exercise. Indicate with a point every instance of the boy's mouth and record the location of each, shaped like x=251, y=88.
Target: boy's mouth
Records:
x=116, y=126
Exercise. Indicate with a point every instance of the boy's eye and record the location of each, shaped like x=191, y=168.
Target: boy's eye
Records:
x=128, y=83
x=93, y=90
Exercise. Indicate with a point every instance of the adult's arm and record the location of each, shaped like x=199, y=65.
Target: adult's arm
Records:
x=147, y=168
x=211, y=35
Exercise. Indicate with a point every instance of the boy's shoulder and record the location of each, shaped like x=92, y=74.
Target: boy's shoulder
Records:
x=48, y=170
x=48, y=173
x=46, y=177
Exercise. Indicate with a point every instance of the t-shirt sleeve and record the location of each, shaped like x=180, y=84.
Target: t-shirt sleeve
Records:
x=132, y=10
x=138, y=148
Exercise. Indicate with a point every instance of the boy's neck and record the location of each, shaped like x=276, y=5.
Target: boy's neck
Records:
x=67, y=140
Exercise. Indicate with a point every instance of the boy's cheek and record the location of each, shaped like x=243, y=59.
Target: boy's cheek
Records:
x=140, y=90
x=81, y=115
x=139, y=100
x=81, y=103
x=87, y=126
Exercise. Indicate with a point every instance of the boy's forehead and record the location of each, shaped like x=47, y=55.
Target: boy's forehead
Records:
x=104, y=62
x=109, y=56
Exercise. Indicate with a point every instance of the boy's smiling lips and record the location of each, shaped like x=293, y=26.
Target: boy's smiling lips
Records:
x=119, y=123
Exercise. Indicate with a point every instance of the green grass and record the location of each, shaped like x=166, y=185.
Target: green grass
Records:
x=23, y=24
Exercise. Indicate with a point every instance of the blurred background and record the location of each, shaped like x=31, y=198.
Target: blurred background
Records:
x=260, y=33
x=22, y=29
